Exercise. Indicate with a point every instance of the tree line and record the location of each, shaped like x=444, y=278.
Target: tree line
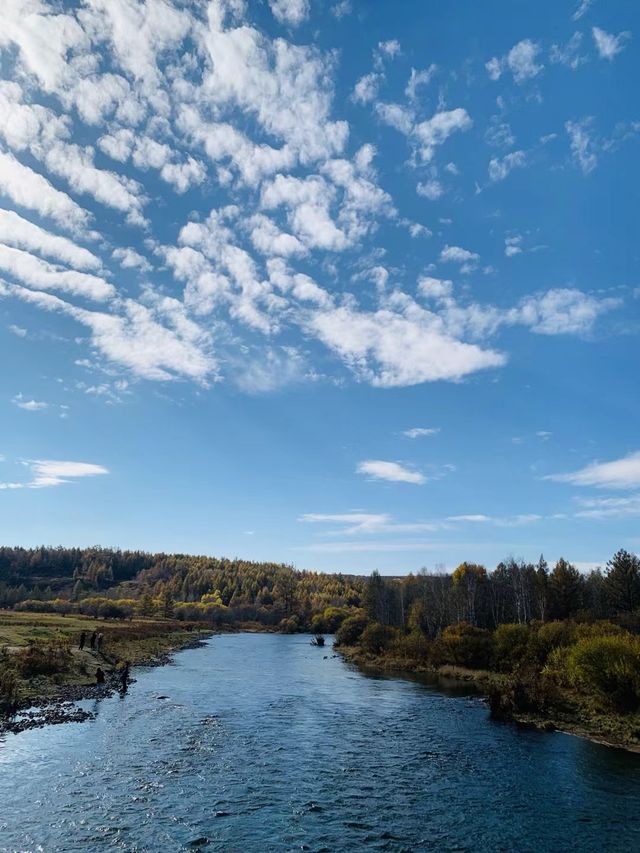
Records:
x=514, y=592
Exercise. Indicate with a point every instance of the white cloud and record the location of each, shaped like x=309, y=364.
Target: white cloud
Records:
x=608, y=45
x=128, y=258
x=520, y=60
x=29, y=405
x=563, y=311
x=434, y=288
x=18, y=331
x=379, y=469
x=512, y=246
x=499, y=134
x=609, y=507
x=396, y=116
x=582, y=8
x=292, y=12
x=458, y=255
x=620, y=474
x=273, y=369
x=356, y=523
x=269, y=240
x=499, y=168
x=494, y=68
x=390, y=48
x=569, y=53
x=22, y=234
x=582, y=145
x=390, y=349
x=75, y=164
x=419, y=78
x=156, y=342
x=419, y=432
x=366, y=89
x=117, y=145
x=438, y=128
x=49, y=472
x=29, y=189
x=432, y=189
x=38, y=273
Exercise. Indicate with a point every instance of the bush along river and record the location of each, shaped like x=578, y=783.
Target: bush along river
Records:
x=262, y=742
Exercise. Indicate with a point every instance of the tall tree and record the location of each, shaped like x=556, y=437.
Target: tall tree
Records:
x=565, y=590
x=622, y=582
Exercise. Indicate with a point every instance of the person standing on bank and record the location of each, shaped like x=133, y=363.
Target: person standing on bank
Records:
x=124, y=677
x=92, y=641
x=83, y=639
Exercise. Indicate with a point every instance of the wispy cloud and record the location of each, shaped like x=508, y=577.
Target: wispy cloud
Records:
x=394, y=472
x=23, y=402
x=419, y=432
x=50, y=472
x=608, y=45
x=621, y=473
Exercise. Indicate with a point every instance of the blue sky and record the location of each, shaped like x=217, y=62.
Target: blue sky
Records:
x=349, y=285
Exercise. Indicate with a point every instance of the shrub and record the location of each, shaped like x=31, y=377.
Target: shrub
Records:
x=290, y=625
x=41, y=660
x=377, y=638
x=414, y=646
x=463, y=645
x=554, y=635
x=8, y=689
x=610, y=666
x=329, y=620
x=349, y=633
x=601, y=628
x=528, y=691
x=513, y=645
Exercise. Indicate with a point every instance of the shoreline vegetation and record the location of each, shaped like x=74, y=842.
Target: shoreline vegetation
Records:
x=549, y=647
x=569, y=716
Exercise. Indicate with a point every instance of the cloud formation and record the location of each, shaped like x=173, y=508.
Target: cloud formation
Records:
x=393, y=472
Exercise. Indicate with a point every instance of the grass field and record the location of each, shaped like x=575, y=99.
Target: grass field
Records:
x=40, y=654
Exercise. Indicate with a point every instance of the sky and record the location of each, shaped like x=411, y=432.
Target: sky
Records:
x=347, y=285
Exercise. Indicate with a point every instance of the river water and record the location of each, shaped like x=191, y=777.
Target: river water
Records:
x=265, y=743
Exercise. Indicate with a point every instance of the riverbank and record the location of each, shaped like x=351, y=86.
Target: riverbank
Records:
x=570, y=713
x=43, y=670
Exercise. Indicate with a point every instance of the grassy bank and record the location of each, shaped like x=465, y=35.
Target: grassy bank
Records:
x=566, y=710
x=40, y=655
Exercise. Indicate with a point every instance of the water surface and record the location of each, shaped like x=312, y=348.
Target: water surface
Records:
x=265, y=743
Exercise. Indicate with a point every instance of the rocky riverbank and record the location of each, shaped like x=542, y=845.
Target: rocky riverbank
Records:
x=49, y=700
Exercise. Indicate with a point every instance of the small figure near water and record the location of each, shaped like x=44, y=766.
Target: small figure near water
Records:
x=99, y=676
x=83, y=639
x=124, y=677
x=318, y=640
x=99, y=640
x=92, y=641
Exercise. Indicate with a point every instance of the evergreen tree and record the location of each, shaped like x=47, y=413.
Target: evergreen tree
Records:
x=622, y=582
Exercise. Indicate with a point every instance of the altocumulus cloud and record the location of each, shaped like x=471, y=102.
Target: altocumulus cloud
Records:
x=139, y=102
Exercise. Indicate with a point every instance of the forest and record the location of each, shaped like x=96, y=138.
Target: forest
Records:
x=543, y=643
x=110, y=583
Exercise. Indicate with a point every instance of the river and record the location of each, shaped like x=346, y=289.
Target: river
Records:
x=265, y=743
